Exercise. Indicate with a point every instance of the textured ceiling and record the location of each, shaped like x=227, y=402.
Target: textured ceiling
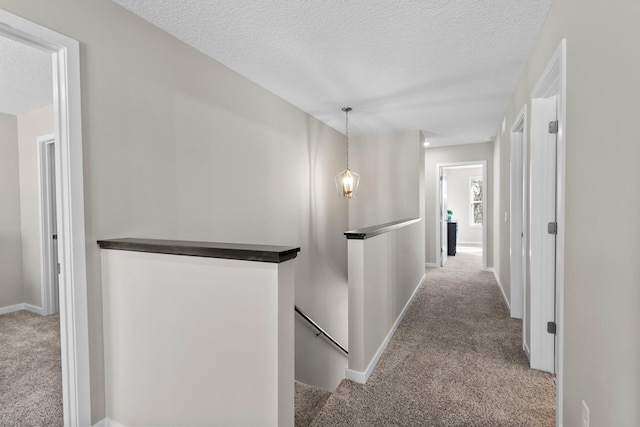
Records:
x=445, y=67
x=26, y=81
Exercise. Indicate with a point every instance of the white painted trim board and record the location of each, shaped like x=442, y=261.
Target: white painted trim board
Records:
x=22, y=306
x=504, y=295
x=525, y=347
x=106, y=422
x=362, y=377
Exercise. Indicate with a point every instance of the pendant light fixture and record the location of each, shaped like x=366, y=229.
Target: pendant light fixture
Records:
x=346, y=181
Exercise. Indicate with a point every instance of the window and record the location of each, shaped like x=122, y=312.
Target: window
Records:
x=476, y=196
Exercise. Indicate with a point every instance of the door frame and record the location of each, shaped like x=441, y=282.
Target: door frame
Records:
x=74, y=327
x=518, y=247
x=48, y=263
x=438, y=225
x=553, y=82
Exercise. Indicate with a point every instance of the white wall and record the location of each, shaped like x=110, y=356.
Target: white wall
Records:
x=20, y=242
x=31, y=126
x=389, y=167
x=176, y=145
x=602, y=204
x=458, y=202
x=321, y=278
x=183, y=348
x=384, y=272
x=10, y=240
x=453, y=154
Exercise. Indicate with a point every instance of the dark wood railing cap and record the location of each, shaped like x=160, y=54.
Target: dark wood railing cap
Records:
x=375, y=230
x=238, y=251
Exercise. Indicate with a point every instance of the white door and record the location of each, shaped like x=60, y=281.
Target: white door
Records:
x=443, y=217
x=53, y=234
x=49, y=228
x=543, y=232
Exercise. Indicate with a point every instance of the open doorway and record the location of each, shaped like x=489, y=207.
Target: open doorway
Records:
x=29, y=324
x=462, y=206
x=64, y=69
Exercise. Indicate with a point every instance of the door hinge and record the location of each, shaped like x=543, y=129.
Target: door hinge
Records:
x=54, y=237
x=553, y=126
x=551, y=327
x=58, y=268
x=552, y=228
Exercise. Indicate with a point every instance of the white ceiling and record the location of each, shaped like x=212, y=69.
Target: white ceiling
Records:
x=26, y=81
x=445, y=67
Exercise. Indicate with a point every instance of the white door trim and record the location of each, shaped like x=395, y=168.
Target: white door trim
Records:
x=74, y=329
x=518, y=146
x=47, y=255
x=439, y=166
x=444, y=243
x=554, y=82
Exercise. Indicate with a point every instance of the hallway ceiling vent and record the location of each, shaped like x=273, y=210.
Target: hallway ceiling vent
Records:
x=347, y=181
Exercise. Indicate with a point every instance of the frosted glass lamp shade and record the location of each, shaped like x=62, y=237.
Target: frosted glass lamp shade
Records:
x=347, y=184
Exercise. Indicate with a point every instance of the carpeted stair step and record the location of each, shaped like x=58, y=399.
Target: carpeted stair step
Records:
x=309, y=401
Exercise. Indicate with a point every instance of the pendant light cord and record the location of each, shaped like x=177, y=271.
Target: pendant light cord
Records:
x=347, y=125
x=346, y=112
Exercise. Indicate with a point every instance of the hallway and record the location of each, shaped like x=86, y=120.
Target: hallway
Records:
x=456, y=360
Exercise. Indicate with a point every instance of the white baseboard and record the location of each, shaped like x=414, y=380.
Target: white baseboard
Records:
x=525, y=347
x=431, y=265
x=11, y=308
x=504, y=295
x=476, y=244
x=362, y=377
x=23, y=306
x=356, y=376
x=107, y=423
x=34, y=309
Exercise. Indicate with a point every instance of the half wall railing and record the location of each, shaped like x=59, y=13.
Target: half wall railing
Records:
x=386, y=267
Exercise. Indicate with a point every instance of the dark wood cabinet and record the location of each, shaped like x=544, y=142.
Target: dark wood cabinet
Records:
x=452, y=238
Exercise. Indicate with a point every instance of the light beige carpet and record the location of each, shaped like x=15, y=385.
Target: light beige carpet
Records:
x=455, y=360
x=30, y=370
